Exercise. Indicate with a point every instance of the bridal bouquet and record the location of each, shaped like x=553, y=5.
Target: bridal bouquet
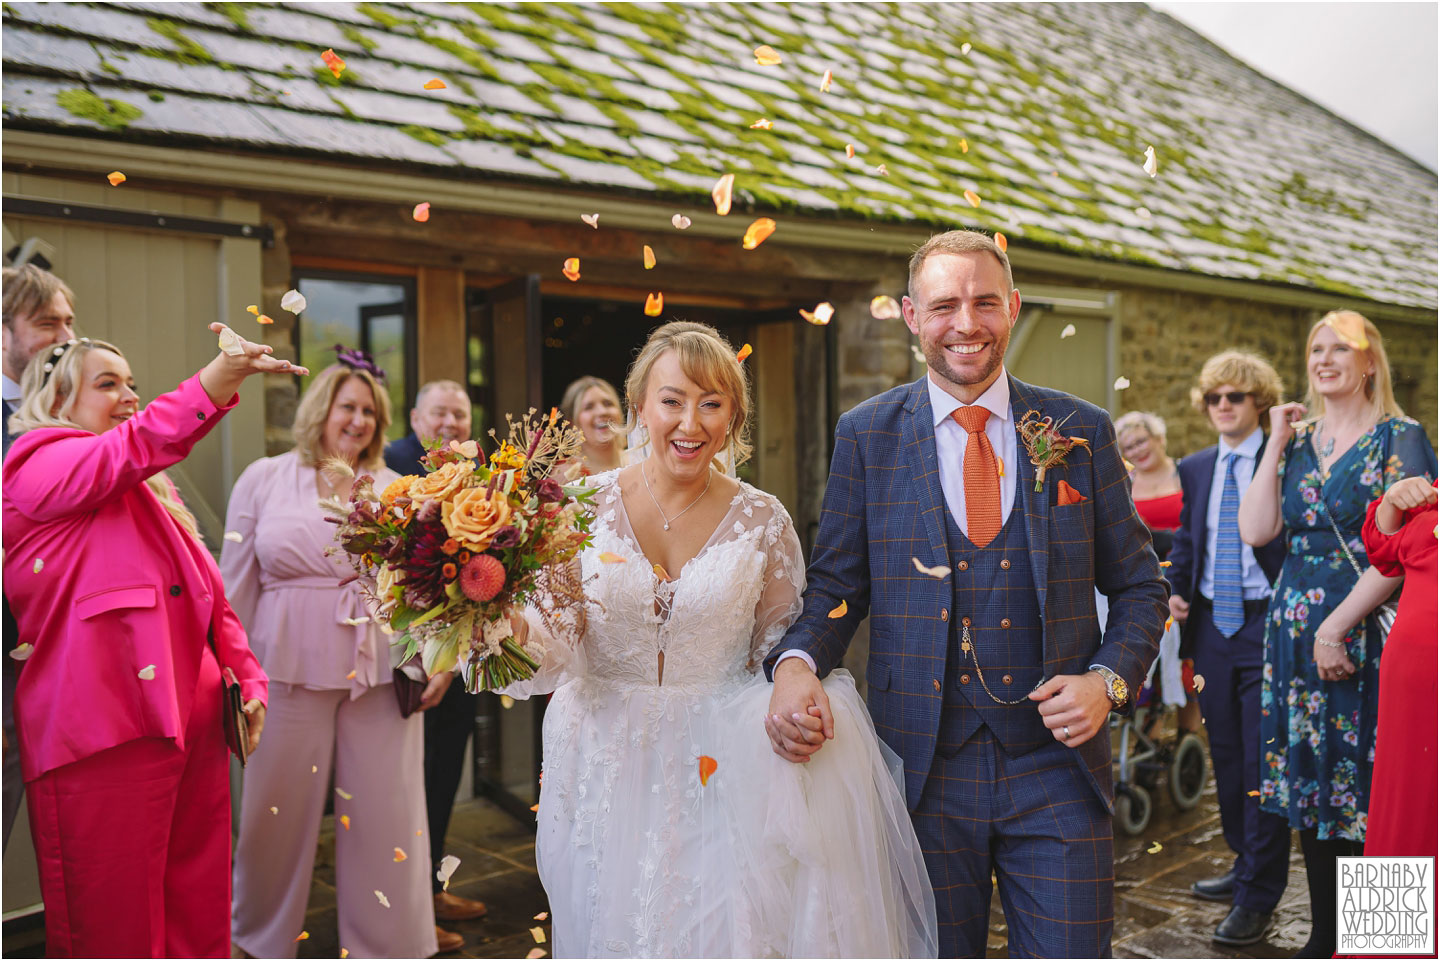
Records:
x=445, y=557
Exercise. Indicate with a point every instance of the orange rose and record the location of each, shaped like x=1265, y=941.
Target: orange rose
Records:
x=474, y=515
x=440, y=484
x=398, y=488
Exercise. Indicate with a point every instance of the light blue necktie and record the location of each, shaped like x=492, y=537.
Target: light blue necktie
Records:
x=1229, y=612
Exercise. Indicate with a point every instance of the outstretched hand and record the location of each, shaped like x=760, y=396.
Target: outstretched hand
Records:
x=238, y=359
x=799, y=721
x=1073, y=706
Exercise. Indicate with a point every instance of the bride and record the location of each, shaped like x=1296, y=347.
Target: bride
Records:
x=666, y=826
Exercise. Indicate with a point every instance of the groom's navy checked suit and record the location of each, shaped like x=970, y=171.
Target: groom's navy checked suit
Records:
x=985, y=782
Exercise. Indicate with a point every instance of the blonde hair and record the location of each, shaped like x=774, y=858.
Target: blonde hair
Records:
x=570, y=401
x=27, y=289
x=1150, y=423
x=314, y=410
x=48, y=400
x=1379, y=390
x=960, y=242
x=1249, y=372
x=708, y=360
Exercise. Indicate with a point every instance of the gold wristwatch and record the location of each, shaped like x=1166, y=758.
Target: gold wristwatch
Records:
x=1115, y=687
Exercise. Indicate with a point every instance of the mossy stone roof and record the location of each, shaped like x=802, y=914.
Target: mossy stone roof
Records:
x=1056, y=103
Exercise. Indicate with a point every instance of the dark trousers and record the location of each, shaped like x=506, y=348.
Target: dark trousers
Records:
x=1035, y=821
x=1230, y=701
x=447, y=730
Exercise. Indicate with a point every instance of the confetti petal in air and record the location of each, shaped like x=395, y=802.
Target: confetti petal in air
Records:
x=825, y=82
x=345, y=794
x=721, y=193
x=964, y=145
x=938, y=571
x=344, y=953
x=654, y=304
x=1001, y=242
x=350, y=676
x=1152, y=165
x=765, y=56
x=680, y=222
x=1154, y=848
x=115, y=177
x=336, y=65
x=850, y=150
x=972, y=198
x=542, y=916
x=756, y=233
x=884, y=307
x=1169, y=623
x=345, y=821
x=302, y=936
x=882, y=170
x=761, y=124
x=1199, y=682
x=448, y=864
x=1350, y=328
x=571, y=269
x=22, y=651
x=821, y=315
x=839, y=611
x=436, y=84
x=538, y=934
x=147, y=673
x=314, y=769
x=1121, y=383
x=506, y=701
x=400, y=855
x=1069, y=331
x=744, y=352
x=649, y=257
x=915, y=352
x=535, y=807
x=1254, y=793
x=421, y=213
x=965, y=49
x=293, y=301
x=231, y=343
x=1143, y=213
x=1166, y=563
x=357, y=621
x=254, y=310
x=274, y=809
x=592, y=220
x=234, y=537
x=264, y=319
x=610, y=557
x=535, y=953
x=380, y=896
x=1000, y=466
x=707, y=767
x=38, y=566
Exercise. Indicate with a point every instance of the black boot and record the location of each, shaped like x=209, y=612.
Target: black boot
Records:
x=1320, y=873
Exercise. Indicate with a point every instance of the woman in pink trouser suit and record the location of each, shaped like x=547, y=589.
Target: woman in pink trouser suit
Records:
x=332, y=706
x=118, y=702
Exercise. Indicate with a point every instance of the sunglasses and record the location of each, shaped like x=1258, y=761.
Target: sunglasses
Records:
x=1235, y=397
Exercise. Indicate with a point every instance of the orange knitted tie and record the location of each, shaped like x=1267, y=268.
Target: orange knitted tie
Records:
x=982, y=477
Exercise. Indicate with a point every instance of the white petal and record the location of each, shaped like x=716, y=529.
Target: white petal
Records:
x=357, y=621
x=680, y=221
x=234, y=536
x=230, y=342
x=147, y=673
x=592, y=219
x=1121, y=383
x=22, y=651
x=39, y=565
x=448, y=864
x=937, y=571
x=1152, y=165
x=380, y=895
x=293, y=301
x=1069, y=331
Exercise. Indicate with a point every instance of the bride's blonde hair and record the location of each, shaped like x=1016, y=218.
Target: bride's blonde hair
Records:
x=48, y=400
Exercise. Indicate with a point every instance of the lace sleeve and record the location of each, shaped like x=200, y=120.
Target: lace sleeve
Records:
x=784, y=583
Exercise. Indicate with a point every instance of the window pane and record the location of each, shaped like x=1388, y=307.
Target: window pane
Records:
x=358, y=313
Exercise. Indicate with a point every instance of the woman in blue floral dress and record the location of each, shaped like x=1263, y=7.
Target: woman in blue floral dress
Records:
x=1319, y=699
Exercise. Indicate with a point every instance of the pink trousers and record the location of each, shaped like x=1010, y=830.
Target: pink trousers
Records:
x=133, y=843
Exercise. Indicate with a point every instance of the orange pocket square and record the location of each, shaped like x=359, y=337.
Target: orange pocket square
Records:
x=1068, y=495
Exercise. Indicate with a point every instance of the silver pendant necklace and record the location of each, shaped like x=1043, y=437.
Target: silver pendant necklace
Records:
x=669, y=520
x=1327, y=448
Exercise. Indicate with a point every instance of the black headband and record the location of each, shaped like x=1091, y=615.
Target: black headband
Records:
x=56, y=353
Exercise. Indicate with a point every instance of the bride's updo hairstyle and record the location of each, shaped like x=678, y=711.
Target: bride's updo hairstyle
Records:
x=708, y=360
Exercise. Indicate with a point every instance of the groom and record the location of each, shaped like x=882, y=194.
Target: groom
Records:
x=991, y=680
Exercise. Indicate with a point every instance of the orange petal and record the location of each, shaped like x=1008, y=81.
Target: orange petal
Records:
x=766, y=56
x=534, y=807
x=1169, y=623
x=399, y=855
x=721, y=192
x=542, y=916
x=745, y=351
x=421, y=213
x=336, y=65
x=973, y=198
x=964, y=145
x=436, y=84
x=264, y=319
x=345, y=821
x=571, y=270
x=1166, y=563
x=707, y=767
x=302, y=936
x=660, y=572
x=538, y=934
x=825, y=82
x=654, y=304
x=884, y=307
x=839, y=611
x=850, y=150
x=609, y=557
x=1350, y=328
x=821, y=315
x=761, y=124
x=115, y=177
x=535, y=953
x=756, y=233
x=344, y=953
x=254, y=310
x=1255, y=793
x=1001, y=242
x=649, y=256
x=350, y=676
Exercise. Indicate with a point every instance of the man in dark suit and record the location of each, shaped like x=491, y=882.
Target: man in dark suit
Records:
x=38, y=312
x=442, y=409
x=1222, y=593
x=991, y=681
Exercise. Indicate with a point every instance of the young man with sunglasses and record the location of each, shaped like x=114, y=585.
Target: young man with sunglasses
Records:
x=1221, y=597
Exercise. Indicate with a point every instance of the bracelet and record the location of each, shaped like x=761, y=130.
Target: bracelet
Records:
x=1386, y=533
x=1324, y=643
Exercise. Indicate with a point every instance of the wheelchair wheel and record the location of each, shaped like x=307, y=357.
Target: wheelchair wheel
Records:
x=1132, y=808
x=1189, y=771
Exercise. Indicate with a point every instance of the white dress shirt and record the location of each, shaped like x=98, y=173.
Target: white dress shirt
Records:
x=11, y=394
x=950, y=442
x=1252, y=579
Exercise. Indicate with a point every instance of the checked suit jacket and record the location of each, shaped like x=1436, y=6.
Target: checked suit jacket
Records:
x=884, y=506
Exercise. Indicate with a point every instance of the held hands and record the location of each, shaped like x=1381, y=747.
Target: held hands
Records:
x=1179, y=608
x=1410, y=493
x=799, y=722
x=255, y=723
x=1073, y=706
x=1283, y=418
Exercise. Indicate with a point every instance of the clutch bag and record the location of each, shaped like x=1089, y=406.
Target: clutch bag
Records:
x=408, y=692
x=232, y=714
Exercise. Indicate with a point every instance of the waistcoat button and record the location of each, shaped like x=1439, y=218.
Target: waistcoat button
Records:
x=1007, y=679
x=1005, y=564
x=944, y=614
x=963, y=566
x=1004, y=622
x=964, y=678
x=965, y=621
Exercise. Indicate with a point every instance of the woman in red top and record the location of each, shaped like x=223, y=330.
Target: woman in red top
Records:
x=1155, y=483
x=1399, y=537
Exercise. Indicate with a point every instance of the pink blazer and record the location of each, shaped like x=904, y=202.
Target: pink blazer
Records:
x=104, y=584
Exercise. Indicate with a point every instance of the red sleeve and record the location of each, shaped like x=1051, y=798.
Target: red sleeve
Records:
x=1382, y=549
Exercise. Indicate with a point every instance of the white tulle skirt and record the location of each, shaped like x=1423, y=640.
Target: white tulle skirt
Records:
x=767, y=859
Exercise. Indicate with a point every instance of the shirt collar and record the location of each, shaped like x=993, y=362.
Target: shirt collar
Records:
x=11, y=389
x=1249, y=447
x=996, y=399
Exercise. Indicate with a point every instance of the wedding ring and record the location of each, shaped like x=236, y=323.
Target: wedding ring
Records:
x=1066, y=731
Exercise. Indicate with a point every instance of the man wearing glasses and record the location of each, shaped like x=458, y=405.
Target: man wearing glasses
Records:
x=1222, y=591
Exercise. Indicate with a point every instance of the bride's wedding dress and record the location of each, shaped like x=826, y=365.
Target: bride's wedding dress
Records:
x=640, y=854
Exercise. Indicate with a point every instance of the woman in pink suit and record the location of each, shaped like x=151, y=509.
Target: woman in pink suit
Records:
x=123, y=617
x=332, y=702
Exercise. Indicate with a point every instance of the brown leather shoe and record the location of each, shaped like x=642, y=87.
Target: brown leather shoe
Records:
x=448, y=941
x=452, y=907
